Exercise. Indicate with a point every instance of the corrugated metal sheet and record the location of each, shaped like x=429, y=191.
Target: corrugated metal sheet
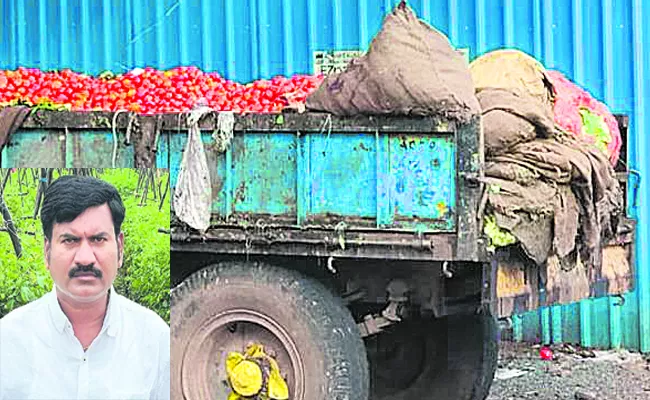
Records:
x=601, y=44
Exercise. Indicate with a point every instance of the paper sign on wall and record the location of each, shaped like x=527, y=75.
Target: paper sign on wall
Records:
x=334, y=61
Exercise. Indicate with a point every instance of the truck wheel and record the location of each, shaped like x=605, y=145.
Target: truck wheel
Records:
x=301, y=324
x=453, y=358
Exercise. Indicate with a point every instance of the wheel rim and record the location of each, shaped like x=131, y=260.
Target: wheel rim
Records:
x=203, y=373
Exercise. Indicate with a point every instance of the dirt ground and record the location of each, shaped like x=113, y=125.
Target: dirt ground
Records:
x=574, y=373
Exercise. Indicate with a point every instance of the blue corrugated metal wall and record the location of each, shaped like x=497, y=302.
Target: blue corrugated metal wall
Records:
x=601, y=44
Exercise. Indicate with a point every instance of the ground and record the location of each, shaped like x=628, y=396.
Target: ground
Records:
x=574, y=373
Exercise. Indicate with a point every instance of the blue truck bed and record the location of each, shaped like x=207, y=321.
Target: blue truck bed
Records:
x=404, y=187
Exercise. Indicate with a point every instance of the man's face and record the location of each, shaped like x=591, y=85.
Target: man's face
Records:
x=83, y=255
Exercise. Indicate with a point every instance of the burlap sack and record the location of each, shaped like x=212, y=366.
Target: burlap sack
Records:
x=510, y=117
x=409, y=69
x=512, y=69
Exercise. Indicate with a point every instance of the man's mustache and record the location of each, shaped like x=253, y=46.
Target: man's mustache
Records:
x=81, y=269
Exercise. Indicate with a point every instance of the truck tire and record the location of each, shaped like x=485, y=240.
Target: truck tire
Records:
x=453, y=358
x=306, y=328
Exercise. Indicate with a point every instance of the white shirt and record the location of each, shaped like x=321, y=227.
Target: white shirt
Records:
x=40, y=358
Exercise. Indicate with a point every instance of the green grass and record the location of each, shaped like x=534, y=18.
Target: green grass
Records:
x=144, y=277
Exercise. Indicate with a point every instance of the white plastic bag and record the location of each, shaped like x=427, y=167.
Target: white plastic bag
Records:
x=193, y=193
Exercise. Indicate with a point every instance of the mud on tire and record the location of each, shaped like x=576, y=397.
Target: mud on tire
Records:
x=314, y=337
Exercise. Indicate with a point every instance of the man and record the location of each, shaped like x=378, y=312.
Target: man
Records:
x=83, y=340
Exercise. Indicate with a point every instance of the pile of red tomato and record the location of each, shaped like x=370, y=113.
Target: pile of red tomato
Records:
x=152, y=91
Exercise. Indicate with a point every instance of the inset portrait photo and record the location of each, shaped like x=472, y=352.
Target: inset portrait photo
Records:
x=84, y=283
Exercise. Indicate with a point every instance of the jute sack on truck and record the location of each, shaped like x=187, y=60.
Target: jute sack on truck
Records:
x=510, y=117
x=409, y=69
x=513, y=69
x=516, y=99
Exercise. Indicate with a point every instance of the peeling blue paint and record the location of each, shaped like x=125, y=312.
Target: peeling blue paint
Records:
x=423, y=169
x=409, y=185
x=45, y=148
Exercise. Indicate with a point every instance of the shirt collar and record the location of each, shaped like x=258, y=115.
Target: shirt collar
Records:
x=112, y=313
x=60, y=320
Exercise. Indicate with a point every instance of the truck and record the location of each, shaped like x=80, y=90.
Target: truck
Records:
x=346, y=255
x=351, y=248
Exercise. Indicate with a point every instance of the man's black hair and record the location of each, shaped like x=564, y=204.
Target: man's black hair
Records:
x=69, y=196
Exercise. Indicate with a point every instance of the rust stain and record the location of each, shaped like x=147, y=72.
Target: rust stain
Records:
x=217, y=185
x=617, y=269
x=511, y=281
x=240, y=193
x=216, y=180
x=289, y=200
x=566, y=285
x=442, y=208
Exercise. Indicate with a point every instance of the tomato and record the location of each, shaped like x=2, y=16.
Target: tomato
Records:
x=545, y=353
x=151, y=91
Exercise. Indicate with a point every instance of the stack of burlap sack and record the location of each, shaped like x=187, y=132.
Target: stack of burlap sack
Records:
x=555, y=193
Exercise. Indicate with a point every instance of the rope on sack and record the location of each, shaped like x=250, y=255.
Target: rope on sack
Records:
x=130, y=127
x=223, y=134
x=114, y=129
x=327, y=123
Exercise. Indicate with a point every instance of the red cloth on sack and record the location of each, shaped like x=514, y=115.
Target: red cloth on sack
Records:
x=569, y=99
